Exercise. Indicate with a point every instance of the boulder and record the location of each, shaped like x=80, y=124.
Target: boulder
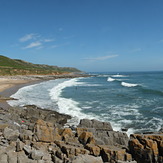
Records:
x=22, y=157
x=19, y=146
x=79, y=131
x=3, y=126
x=34, y=113
x=26, y=135
x=4, y=142
x=40, y=146
x=98, y=125
x=86, y=138
x=11, y=134
x=146, y=147
x=112, y=153
x=3, y=158
x=87, y=159
x=12, y=157
x=59, y=154
x=45, y=132
x=27, y=149
x=111, y=138
x=56, y=159
x=37, y=154
x=94, y=150
x=72, y=151
x=85, y=123
x=59, y=143
x=46, y=158
x=103, y=133
x=67, y=134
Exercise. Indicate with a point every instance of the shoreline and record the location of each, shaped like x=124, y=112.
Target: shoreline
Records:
x=12, y=88
x=9, y=85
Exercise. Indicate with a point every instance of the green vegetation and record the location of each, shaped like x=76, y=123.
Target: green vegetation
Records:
x=18, y=67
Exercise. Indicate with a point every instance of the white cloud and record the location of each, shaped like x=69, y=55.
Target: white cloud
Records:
x=49, y=40
x=27, y=37
x=102, y=58
x=33, y=44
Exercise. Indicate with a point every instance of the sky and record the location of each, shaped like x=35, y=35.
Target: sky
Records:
x=91, y=35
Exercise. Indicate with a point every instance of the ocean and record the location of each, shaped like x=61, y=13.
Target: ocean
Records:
x=130, y=100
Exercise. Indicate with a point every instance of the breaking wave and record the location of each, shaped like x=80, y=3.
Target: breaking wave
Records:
x=128, y=84
x=119, y=76
x=67, y=105
x=110, y=79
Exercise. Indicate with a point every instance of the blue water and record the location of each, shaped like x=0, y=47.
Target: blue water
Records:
x=127, y=100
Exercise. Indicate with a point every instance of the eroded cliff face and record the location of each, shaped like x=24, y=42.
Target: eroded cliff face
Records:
x=31, y=134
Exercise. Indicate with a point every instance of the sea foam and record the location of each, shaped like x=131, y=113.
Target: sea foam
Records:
x=67, y=105
x=128, y=84
x=119, y=76
x=110, y=79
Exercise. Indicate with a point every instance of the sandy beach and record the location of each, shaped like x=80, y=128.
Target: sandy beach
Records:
x=6, y=83
x=11, y=84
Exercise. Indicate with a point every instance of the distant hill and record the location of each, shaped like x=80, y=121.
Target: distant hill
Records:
x=19, y=67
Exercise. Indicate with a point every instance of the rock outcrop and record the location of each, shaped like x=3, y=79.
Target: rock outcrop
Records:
x=36, y=135
x=147, y=148
x=28, y=135
x=103, y=133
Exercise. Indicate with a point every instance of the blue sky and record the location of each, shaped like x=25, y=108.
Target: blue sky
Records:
x=91, y=35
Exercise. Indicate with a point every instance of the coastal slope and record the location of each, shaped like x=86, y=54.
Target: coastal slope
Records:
x=11, y=67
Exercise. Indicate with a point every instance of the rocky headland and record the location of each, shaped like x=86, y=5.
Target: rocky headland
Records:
x=33, y=135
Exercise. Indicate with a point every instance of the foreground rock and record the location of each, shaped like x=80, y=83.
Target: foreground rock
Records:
x=28, y=115
x=103, y=133
x=34, y=135
x=31, y=134
x=147, y=147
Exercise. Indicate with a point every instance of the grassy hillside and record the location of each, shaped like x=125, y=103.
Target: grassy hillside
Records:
x=18, y=67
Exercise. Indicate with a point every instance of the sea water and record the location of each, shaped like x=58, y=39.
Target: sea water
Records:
x=127, y=100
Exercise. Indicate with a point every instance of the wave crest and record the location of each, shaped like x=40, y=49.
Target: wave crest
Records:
x=119, y=76
x=128, y=84
x=110, y=79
